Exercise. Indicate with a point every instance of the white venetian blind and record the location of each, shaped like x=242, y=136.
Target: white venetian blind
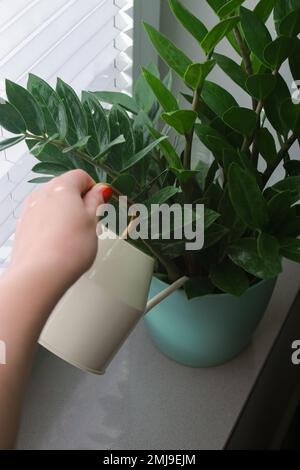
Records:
x=88, y=43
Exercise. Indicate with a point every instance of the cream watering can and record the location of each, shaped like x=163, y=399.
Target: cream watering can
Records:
x=96, y=315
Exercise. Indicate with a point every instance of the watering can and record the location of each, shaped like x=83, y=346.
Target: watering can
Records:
x=96, y=315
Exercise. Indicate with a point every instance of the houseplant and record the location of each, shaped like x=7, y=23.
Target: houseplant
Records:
x=250, y=224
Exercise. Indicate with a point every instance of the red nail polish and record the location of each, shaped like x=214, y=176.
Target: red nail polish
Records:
x=107, y=193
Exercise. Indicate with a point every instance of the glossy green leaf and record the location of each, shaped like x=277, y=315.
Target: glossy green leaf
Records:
x=292, y=167
x=278, y=209
x=198, y=287
x=279, y=50
x=219, y=31
x=161, y=196
x=166, y=99
x=173, y=56
x=197, y=73
x=290, y=25
x=41, y=144
x=142, y=92
x=77, y=122
x=214, y=234
x=106, y=150
x=7, y=143
x=261, y=85
x=98, y=127
x=11, y=119
x=256, y=34
x=266, y=145
x=167, y=149
x=50, y=153
x=120, y=124
x=217, y=98
x=51, y=105
x=192, y=24
x=294, y=61
x=290, y=115
x=27, y=106
x=264, y=8
x=268, y=248
x=142, y=154
x=290, y=249
x=229, y=7
x=241, y=120
x=232, y=69
x=212, y=139
x=184, y=175
x=282, y=9
x=272, y=105
x=291, y=183
x=46, y=168
x=182, y=120
x=246, y=197
x=216, y=5
x=245, y=254
x=229, y=278
x=41, y=180
x=117, y=98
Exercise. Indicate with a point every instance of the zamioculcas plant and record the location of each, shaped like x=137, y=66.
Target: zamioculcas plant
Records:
x=144, y=145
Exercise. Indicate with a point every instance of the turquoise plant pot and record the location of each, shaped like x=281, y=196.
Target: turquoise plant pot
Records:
x=206, y=331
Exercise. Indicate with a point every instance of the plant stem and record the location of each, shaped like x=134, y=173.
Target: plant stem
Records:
x=282, y=152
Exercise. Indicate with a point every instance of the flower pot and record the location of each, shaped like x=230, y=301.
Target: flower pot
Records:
x=206, y=331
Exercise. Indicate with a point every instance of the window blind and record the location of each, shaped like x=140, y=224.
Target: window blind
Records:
x=86, y=43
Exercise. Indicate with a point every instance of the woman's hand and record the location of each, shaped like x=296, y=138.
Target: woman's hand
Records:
x=56, y=234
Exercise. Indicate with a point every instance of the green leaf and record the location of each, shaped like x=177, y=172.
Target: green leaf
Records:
x=49, y=169
x=229, y=278
x=27, y=106
x=197, y=73
x=272, y=105
x=246, y=197
x=210, y=217
x=52, y=107
x=142, y=93
x=268, y=249
x=266, y=145
x=242, y=120
x=41, y=144
x=282, y=9
x=279, y=50
x=290, y=25
x=217, y=98
x=192, y=24
x=291, y=183
x=98, y=127
x=77, y=122
x=184, y=175
x=120, y=124
x=294, y=62
x=290, y=249
x=142, y=154
x=117, y=98
x=214, y=36
x=264, y=9
x=182, y=120
x=11, y=119
x=161, y=196
x=7, y=143
x=290, y=114
x=256, y=34
x=173, y=56
x=292, y=167
x=232, y=69
x=78, y=145
x=214, y=234
x=212, y=139
x=41, y=180
x=105, y=151
x=229, y=7
x=245, y=254
x=167, y=149
x=278, y=209
x=163, y=95
x=261, y=85
x=50, y=153
x=198, y=287
x=216, y=5
x=125, y=183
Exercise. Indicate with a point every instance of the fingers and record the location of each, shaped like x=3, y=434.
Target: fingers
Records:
x=99, y=194
x=78, y=180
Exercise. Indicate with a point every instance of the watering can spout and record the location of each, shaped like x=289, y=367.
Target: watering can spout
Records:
x=165, y=293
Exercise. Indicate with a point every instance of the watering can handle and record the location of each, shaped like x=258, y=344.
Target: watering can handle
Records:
x=165, y=293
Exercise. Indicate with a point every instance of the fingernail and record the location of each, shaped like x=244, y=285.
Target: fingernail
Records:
x=107, y=193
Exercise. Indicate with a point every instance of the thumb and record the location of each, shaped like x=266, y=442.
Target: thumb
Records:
x=99, y=194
